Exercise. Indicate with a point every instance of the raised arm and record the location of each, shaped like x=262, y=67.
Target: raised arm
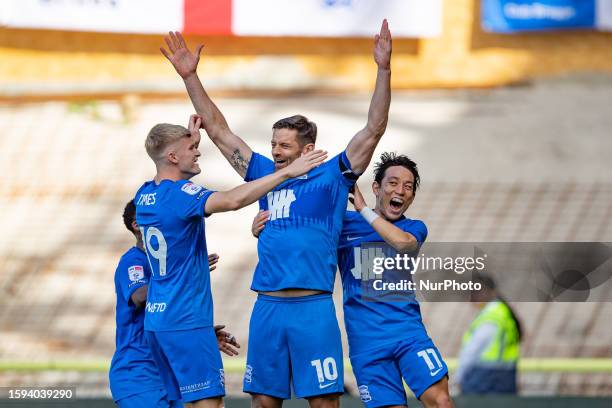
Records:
x=361, y=147
x=235, y=150
x=399, y=239
x=250, y=192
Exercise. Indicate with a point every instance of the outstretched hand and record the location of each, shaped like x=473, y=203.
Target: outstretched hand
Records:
x=184, y=61
x=382, y=46
x=305, y=163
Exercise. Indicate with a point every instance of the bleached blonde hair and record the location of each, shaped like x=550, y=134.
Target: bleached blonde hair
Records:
x=161, y=136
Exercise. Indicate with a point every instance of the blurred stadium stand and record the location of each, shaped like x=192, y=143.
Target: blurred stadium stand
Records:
x=516, y=164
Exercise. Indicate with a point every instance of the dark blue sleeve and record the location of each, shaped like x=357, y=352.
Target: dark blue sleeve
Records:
x=131, y=275
x=189, y=199
x=259, y=166
x=344, y=170
x=418, y=229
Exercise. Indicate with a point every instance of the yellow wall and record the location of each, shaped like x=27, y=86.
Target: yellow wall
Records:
x=463, y=56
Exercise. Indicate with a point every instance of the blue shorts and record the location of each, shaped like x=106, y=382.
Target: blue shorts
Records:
x=294, y=341
x=149, y=399
x=379, y=371
x=189, y=362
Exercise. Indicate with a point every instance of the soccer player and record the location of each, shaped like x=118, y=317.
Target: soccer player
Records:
x=387, y=340
x=134, y=378
x=294, y=338
x=170, y=212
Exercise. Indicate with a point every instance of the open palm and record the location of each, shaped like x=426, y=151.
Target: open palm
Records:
x=382, y=46
x=184, y=61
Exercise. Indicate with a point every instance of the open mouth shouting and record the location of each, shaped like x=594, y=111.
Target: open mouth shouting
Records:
x=396, y=203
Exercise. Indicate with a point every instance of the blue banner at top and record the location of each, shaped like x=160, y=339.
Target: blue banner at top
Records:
x=509, y=16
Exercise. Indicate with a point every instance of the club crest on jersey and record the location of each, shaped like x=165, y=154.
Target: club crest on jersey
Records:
x=191, y=188
x=136, y=273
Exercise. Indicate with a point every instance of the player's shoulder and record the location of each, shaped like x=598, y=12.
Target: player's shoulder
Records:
x=351, y=217
x=353, y=222
x=146, y=186
x=259, y=166
x=133, y=261
x=187, y=187
x=133, y=255
x=414, y=227
x=409, y=222
x=334, y=162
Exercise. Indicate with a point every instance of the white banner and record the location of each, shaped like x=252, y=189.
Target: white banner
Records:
x=336, y=18
x=603, y=15
x=317, y=18
x=128, y=16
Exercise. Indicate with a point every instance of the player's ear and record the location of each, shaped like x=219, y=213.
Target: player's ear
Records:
x=376, y=188
x=308, y=147
x=135, y=227
x=171, y=157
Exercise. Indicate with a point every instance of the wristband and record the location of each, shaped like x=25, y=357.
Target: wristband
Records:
x=369, y=215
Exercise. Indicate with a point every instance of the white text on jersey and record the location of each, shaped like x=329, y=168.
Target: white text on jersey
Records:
x=279, y=203
x=146, y=199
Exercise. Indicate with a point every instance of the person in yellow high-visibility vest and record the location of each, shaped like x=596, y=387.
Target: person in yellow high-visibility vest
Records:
x=490, y=348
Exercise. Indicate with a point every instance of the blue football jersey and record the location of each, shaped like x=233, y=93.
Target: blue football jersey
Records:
x=297, y=248
x=171, y=218
x=372, y=323
x=132, y=369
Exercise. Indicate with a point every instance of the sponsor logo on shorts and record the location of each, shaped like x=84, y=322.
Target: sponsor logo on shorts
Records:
x=191, y=189
x=195, y=387
x=248, y=374
x=364, y=393
x=432, y=373
x=322, y=386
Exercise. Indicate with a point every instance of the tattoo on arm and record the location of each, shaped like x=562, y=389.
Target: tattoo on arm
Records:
x=239, y=163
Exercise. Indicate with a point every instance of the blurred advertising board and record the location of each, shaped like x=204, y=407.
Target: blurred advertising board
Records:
x=309, y=18
x=510, y=16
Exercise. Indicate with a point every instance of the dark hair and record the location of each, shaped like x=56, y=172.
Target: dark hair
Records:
x=393, y=159
x=489, y=283
x=307, y=130
x=129, y=215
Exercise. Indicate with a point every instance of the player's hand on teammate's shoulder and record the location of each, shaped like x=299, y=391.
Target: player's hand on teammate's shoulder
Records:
x=356, y=198
x=259, y=222
x=382, y=46
x=226, y=341
x=184, y=61
x=305, y=163
x=212, y=261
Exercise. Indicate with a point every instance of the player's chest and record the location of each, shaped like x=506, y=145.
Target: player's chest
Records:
x=310, y=198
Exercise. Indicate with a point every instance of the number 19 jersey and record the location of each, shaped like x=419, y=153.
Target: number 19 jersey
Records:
x=171, y=218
